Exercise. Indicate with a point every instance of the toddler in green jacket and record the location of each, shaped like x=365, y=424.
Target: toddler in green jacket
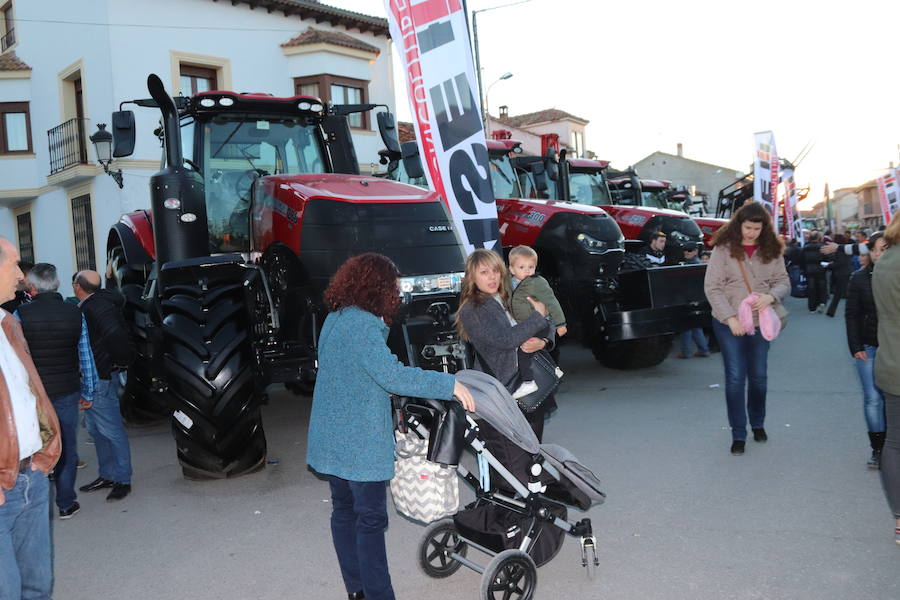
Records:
x=522, y=265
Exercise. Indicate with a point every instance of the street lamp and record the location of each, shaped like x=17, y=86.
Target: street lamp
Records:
x=504, y=77
x=102, y=140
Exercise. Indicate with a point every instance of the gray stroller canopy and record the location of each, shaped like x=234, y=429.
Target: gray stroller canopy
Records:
x=494, y=404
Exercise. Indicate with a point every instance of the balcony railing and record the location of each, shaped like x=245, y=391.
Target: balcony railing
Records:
x=7, y=40
x=67, y=146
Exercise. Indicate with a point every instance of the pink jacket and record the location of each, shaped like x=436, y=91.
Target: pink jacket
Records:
x=725, y=287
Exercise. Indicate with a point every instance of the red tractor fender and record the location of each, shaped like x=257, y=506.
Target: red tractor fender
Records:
x=709, y=226
x=631, y=219
x=134, y=233
x=521, y=220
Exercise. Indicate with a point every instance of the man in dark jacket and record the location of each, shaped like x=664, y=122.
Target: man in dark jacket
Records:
x=22, y=295
x=113, y=351
x=816, y=290
x=57, y=336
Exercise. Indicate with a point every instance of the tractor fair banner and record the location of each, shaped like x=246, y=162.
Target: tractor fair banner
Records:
x=794, y=225
x=888, y=194
x=765, y=173
x=433, y=42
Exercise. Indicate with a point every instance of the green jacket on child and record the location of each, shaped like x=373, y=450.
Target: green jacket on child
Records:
x=538, y=288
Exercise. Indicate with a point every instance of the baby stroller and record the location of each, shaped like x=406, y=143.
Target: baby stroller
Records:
x=520, y=522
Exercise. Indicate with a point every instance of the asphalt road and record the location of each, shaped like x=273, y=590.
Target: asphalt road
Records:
x=798, y=517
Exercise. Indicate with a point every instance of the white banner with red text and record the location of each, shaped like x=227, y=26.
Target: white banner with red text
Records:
x=888, y=194
x=765, y=173
x=432, y=39
x=794, y=225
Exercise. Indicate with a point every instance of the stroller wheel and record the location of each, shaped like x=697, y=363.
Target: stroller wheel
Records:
x=511, y=575
x=441, y=538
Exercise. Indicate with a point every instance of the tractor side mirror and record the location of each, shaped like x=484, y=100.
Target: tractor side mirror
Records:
x=123, y=131
x=411, y=161
x=387, y=127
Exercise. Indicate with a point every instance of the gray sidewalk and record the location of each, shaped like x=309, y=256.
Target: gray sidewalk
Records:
x=798, y=517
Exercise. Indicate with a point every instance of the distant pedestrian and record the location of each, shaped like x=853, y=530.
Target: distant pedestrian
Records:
x=351, y=438
x=113, y=352
x=696, y=334
x=842, y=267
x=815, y=271
x=29, y=448
x=656, y=249
x=57, y=337
x=862, y=338
x=745, y=246
x=886, y=290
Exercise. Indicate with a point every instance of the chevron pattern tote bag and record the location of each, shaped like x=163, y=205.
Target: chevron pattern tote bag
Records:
x=422, y=490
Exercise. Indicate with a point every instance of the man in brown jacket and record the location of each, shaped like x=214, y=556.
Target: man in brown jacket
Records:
x=29, y=448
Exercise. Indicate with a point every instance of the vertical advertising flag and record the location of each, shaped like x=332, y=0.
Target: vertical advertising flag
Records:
x=888, y=194
x=765, y=173
x=791, y=212
x=433, y=42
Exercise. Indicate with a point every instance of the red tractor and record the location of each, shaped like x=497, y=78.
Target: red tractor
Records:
x=627, y=318
x=659, y=194
x=259, y=201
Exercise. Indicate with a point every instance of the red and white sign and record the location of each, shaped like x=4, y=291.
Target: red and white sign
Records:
x=433, y=41
x=791, y=213
x=888, y=194
x=765, y=173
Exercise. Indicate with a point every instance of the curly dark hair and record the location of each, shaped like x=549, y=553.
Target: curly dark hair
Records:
x=770, y=245
x=367, y=281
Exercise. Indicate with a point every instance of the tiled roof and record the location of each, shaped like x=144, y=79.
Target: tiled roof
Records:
x=10, y=62
x=322, y=36
x=312, y=9
x=541, y=116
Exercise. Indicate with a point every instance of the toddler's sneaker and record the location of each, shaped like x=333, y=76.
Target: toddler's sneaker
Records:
x=559, y=373
x=526, y=388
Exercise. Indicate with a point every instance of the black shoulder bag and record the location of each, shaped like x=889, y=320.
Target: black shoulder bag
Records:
x=544, y=370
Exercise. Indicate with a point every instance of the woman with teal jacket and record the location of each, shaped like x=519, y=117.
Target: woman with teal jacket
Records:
x=351, y=436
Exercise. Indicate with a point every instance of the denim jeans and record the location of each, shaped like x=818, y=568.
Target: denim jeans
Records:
x=745, y=360
x=684, y=339
x=358, y=521
x=104, y=423
x=873, y=401
x=890, y=456
x=26, y=569
x=64, y=474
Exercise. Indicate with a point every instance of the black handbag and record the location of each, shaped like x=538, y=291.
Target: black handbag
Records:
x=543, y=369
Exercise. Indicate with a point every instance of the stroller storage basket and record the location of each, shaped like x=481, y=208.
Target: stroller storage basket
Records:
x=498, y=528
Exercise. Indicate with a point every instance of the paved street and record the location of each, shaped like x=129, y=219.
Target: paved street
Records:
x=799, y=517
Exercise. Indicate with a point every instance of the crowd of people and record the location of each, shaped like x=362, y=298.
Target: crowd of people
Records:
x=60, y=359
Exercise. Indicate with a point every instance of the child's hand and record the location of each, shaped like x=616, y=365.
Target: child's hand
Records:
x=562, y=330
x=538, y=306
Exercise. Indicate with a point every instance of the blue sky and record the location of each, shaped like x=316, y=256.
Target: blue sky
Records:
x=649, y=74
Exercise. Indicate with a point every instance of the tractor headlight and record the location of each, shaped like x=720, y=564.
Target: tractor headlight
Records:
x=681, y=238
x=592, y=244
x=432, y=284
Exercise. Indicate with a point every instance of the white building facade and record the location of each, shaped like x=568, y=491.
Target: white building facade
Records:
x=65, y=67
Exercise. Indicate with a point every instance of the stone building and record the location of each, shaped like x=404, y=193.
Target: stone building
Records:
x=703, y=180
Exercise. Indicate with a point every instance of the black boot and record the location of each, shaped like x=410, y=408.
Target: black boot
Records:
x=876, y=440
x=356, y=596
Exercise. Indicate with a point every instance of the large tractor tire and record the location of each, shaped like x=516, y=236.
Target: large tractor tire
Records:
x=140, y=401
x=210, y=369
x=634, y=354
